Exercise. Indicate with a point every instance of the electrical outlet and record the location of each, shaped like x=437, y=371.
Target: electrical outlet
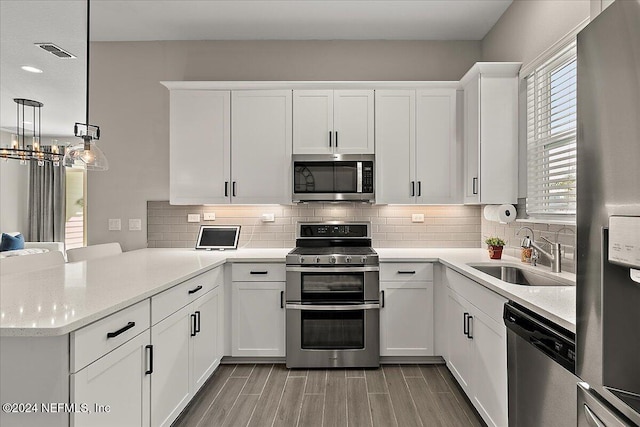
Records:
x=268, y=217
x=193, y=218
x=209, y=216
x=114, y=224
x=417, y=217
x=135, y=224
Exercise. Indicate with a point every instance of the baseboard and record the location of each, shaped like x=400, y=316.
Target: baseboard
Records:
x=230, y=360
x=425, y=360
x=384, y=360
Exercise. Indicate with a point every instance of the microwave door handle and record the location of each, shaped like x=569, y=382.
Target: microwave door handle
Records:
x=359, y=178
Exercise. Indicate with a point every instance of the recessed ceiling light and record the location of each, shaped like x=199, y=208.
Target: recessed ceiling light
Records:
x=31, y=69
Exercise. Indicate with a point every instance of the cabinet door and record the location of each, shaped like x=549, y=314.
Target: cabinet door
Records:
x=395, y=145
x=206, y=345
x=436, y=147
x=498, y=139
x=261, y=146
x=406, y=320
x=313, y=122
x=199, y=146
x=472, y=141
x=103, y=383
x=489, y=383
x=353, y=121
x=170, y=383
x=460, y=346
x=258, y=319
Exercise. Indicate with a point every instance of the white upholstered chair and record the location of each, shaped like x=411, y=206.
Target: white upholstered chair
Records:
x=33, y=262
x=93, y=252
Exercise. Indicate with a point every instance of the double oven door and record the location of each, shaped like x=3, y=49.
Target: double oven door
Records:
x=333, y=317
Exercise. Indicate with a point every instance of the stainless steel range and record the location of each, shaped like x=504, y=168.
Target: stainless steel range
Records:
x=332, y=297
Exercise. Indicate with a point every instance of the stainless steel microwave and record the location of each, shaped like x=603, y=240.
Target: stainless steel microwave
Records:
x=333, y=177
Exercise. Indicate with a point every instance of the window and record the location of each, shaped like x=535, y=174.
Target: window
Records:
x=551, y=135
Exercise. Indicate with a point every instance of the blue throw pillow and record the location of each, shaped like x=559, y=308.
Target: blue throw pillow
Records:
x=11, y=243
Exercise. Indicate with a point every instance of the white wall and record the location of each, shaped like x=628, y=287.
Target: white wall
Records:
x=13, y=192
x=132, y=108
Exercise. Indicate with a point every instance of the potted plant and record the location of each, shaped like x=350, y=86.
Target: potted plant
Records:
x=495, y=245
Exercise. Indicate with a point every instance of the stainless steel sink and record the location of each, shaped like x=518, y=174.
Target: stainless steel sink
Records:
x=518, y=276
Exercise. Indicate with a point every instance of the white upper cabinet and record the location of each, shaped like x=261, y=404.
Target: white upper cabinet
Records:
x=199, y=159
x=416, y=146
x=491, y=133
x=261, y=146
x=436, y=147
x=333, y=121
x=313, y=121
x=395, y=146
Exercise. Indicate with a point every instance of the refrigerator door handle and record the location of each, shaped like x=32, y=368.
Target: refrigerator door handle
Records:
x=592, y=419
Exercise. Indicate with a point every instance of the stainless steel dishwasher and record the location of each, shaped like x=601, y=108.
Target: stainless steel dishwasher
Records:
x=541, y=367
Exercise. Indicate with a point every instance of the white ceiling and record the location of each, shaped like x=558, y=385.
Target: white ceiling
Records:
x=117, y=20
x=62, y=85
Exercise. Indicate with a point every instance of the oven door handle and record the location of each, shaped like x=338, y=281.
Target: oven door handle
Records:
x=324, y=269
x=346, y=307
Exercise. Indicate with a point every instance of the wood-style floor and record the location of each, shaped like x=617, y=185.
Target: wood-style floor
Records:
x=271, y=395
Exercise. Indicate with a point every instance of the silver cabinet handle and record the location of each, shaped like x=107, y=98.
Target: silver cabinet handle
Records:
x=413, y=188
x=475, y=185
x=470, y=327
x=592, y=419
x=346, y=307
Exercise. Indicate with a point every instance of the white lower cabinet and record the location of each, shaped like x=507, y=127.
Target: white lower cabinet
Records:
x=170, y=382
x=477, y=352
x=258, y=315
x=406, y=313
x=187, y=348
x=117, y=380
x=206, y=347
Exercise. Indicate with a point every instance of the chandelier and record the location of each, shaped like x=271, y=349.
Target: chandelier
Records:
x=28, y=147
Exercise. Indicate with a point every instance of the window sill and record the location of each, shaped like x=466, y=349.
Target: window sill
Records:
x=568, y=222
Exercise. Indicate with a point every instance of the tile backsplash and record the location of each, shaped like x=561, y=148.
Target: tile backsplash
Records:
x=565, y=234
x=443, y=226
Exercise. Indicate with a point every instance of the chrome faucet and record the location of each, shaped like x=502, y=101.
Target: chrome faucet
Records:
x=554, y=255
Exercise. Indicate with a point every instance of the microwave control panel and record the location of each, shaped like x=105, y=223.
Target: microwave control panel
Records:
x=367, y=178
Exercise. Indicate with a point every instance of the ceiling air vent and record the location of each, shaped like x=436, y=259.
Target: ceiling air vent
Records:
x=55, y=50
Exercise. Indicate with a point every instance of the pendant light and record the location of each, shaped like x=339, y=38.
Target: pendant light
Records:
x=28, y=147
x=86, y=155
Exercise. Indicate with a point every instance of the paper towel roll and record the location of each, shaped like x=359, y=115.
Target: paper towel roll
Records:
x=503, y=214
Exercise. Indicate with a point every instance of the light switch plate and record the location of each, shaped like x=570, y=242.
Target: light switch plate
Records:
x=135, y=224
x=114, y=224
x=209, y=216
x=193, y=217
x=268, y=217
x=417, y=217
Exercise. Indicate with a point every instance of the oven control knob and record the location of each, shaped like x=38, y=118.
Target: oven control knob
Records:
x=364, y=260
x=317, y=260
x=348, y=260
x=301, y=260
x=332, y=260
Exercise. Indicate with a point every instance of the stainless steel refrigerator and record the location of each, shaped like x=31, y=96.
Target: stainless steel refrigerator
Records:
x=608, y=217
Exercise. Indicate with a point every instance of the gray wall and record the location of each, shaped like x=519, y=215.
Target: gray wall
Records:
x=529, y=27
x=132, y=108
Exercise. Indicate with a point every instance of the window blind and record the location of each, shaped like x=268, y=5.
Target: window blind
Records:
x=551, y=135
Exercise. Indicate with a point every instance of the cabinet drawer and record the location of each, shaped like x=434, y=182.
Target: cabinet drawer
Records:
x=99, y=338
x=258, y=273
x=168, y=302
x=406, y=271
x=486, y=300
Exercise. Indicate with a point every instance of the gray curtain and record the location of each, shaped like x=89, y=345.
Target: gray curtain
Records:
x=47, y=210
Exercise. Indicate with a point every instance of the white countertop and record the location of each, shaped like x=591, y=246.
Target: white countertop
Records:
x=556, y=303
x=59, y=300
